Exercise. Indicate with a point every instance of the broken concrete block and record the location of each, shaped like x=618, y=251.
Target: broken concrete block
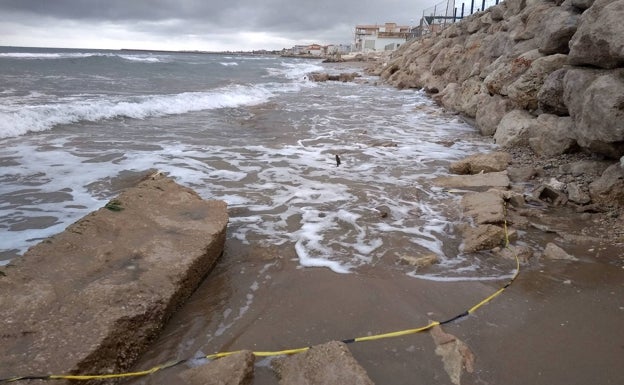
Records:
x=326, y=364
x=483, y=237
x=92, y=298
x=486, y=207
x=550, y=195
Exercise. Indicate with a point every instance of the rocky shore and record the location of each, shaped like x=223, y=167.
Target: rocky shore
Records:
x=545, y=79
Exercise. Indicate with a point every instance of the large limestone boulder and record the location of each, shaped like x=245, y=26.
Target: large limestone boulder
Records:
x=326, y=364
x=507, y=70
x=92, y=298
x=490, y=111
x=513, y=130
x=551, y=135
x=556, y=29
x=599, y=39
x=595, y=99
x=550, y=97
x=533, y=17
x=523, y=91
x=469, y=96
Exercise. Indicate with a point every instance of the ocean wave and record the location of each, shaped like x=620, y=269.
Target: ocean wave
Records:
x=35, y=118
x=142, y=58
x=294, y=71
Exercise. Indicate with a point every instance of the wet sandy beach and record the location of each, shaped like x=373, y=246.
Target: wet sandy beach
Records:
x=559, y=322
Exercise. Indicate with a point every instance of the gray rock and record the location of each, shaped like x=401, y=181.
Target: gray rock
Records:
x=482, y=237
x=477, y=182
x=609, y=188
x=513, y=130
x=581, y=4
x=550, y=97
x=532, y=17
x=478, y=163
x=555, y=252
x=599, y=40
x=326, y=364
x=595, y=100
x=110, y=282
x=497, y=12
x=490, y=112
x=551, y=135
x=577, y=195
x=523, y=91
x=514, y=7
x=585, y=167
x=556, y=29
x=506, y=70
x=236, y=369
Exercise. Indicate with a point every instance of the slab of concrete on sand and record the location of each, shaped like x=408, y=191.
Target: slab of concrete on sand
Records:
x=90, y=299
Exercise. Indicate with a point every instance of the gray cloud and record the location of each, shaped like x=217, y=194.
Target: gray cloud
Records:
x=328, y=21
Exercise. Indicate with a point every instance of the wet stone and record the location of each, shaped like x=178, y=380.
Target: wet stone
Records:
x=326, y=364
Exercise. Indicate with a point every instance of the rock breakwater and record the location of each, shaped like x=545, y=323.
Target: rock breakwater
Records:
x=544, y=74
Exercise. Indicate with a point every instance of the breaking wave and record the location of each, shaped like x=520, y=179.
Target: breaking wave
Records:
x=142, y=58
x=19, y=120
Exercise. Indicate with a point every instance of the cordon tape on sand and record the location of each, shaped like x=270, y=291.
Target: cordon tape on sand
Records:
x=400, y=333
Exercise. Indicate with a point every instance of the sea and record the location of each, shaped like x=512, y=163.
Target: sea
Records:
x=306, y=236
x=78, y=126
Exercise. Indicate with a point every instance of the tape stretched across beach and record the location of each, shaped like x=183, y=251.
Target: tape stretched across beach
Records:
x=168, y=365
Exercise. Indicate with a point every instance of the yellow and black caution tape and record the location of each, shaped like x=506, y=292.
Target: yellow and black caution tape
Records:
x=168, y=365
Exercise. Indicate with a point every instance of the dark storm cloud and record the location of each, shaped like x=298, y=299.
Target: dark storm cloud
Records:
x=329, y=20
x=269, y=14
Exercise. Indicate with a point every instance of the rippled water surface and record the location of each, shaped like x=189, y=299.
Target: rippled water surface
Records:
x=253, y=131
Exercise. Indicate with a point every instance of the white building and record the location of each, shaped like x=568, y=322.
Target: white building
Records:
x=388, y=36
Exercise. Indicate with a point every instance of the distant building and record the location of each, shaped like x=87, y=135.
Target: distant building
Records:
x=314, y=50
x=388, y=36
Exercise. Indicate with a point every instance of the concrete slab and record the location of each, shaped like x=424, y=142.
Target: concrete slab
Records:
x=91, y=299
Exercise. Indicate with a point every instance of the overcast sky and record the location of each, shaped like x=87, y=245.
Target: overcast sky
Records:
x=216, y=25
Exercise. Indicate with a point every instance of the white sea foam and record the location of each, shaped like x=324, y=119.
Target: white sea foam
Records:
x=34, y=118
x=229, y=64
x=280, y=192
x=295, y=71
